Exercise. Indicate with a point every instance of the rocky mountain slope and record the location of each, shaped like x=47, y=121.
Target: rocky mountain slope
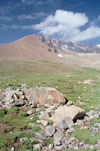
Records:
x=47, y=49
x=69, y=46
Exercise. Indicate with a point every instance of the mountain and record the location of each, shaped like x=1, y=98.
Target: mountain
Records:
x=28, y=47
x=47, y=49
x=69, y=46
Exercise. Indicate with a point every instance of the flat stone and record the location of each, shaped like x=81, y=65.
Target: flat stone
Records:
x=42, y=135
x=59, y=147
x=64, y=124
x=58, y=136
x=50, y=130
x=68, y=112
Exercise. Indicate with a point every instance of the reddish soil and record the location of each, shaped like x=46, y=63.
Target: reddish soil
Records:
x=28, y=47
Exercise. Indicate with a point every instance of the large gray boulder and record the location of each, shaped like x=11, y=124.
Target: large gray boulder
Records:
x=64, y=124
x=45, y=95
x=67, y=112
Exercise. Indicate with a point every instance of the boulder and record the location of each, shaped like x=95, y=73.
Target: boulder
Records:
x=68, y=112
x=45, y=95
x=58, y=136
x=64, y=124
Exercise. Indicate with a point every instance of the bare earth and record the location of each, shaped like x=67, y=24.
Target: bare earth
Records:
x=30, y=47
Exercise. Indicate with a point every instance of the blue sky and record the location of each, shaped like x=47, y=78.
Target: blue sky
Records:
x=74, y=20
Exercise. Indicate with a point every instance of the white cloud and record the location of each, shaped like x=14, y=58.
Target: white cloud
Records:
x=5, y=18
x=25, y=17
x=28, y=2
x=4, y=27
x=39, y=3
x=15, y=26
x=23, y=1
x=33, y=16
x=89, y=33
x=66, y=26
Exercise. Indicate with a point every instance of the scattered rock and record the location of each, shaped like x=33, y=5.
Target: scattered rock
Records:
x=65, y=112
x=44, y=123
x=88, y=81
x=64, y=124
x=38, y=146
x=42, y=135
x=44, y=115
x=50, y=146
x=50, y=130
x=58, y=136
x=23, y=139
x=30, y=112
x=19, y=102
x=12, y=148
x=69, y=103
x=59, y=147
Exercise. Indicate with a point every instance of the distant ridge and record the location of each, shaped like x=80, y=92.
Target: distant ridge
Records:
x=47, y=49
x=28, y=47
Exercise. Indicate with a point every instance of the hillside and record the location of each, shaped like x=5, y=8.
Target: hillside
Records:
x=28, y=47
x=41, y=48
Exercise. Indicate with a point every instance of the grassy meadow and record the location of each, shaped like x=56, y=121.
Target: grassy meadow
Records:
x=68, y=80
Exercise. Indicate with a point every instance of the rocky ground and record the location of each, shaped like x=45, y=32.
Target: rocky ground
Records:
x=58, y=120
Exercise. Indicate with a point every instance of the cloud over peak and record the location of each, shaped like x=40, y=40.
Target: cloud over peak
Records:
x=66, y=26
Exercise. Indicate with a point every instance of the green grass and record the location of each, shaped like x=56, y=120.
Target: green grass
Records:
x=43, y=73
x=2, y=112
x=48, y=141
x=85, y=135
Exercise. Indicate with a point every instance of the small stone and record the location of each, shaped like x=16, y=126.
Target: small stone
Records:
x=37, y=146
x=71, y=130
x=44, y=115
x=70, y=146
x=99, y=141
x=81, y=143
x=42, y=135
x=30, y=112
x=50, y=130
x=23, y=139
x=32, y=124
x=50, y=146
x=38, y=121
x=80, y=122
x=46, y=105
x=93, y=134
x=75, y=147
x=31, y=118
x=91, y=147
x=44, y=123
x=12, y=148
x=59, y=147
x=70, y=103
